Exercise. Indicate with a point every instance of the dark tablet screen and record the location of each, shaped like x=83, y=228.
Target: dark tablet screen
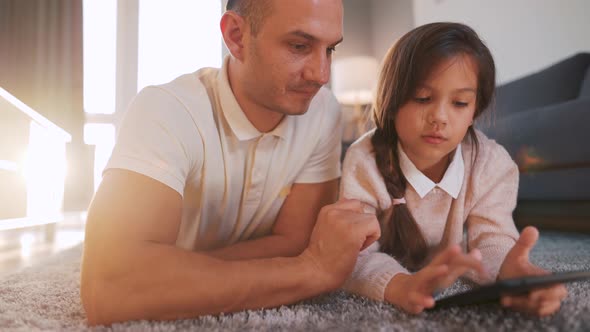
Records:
x=492, y=292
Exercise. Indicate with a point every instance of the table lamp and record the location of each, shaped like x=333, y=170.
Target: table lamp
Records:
x=353, y=81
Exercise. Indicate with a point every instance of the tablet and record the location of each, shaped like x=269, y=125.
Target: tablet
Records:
x=492, y=292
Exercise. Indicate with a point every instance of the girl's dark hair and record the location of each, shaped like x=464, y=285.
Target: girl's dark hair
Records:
x=406, y=65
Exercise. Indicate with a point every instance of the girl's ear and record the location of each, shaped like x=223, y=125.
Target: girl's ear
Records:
x=233, y=29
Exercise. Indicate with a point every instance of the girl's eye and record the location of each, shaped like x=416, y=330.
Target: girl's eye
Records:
x=422, y=100
x=461, y=104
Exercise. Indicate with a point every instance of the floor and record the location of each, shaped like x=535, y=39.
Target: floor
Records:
x=22, y=247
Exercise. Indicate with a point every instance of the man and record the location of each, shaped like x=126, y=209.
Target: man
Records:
x=218, y=196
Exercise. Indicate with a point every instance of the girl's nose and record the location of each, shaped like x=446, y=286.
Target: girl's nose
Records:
x=437, y=115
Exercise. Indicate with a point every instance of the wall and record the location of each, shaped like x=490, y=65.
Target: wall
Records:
x=524, y=36
x=389, y=21
x=370, y=26
x=357, y=29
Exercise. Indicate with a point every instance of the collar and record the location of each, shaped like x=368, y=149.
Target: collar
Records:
x=451, y=181
x=234, y=115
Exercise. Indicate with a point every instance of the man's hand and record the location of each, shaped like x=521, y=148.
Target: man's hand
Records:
x=414, y=293
x=341, y=232
x=543, y=301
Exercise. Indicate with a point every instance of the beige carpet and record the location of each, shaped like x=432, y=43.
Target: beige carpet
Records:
x=45, y=297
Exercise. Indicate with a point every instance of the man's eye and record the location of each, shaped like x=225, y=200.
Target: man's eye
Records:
x=299, y=47
x=422, y=100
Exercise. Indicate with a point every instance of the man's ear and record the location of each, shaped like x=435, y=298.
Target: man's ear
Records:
x=233, y=29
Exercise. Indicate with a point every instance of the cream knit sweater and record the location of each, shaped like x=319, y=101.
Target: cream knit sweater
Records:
x=484, y=207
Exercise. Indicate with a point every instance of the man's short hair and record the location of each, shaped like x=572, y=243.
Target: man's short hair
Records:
x=254, y=11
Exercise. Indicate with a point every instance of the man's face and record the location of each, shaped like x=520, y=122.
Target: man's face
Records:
x=289, y=59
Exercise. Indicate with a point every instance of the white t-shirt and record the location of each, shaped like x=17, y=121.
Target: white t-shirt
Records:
x=191, y=135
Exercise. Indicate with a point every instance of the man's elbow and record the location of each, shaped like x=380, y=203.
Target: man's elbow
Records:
x=101, y=299
x=95, y=301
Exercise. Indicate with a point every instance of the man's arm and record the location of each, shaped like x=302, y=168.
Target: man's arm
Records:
x=132, y=270
x=295, y=221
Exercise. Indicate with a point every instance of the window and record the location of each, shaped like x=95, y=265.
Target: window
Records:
x=177, y=37
x=102, y=136
x=100, y=40
x=173, y=37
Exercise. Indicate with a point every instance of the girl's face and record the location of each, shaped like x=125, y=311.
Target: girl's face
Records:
x=436, y=118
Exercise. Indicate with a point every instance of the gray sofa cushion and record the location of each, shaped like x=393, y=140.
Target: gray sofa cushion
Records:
x=585, y=89
x=557, y=133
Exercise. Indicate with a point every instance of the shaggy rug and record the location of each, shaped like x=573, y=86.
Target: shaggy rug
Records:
x=45, y=297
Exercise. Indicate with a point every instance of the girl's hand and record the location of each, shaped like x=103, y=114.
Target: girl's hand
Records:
x=543, y=301
x=413, y=293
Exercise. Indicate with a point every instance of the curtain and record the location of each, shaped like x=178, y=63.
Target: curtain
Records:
x=41, y=64
x=41, y=58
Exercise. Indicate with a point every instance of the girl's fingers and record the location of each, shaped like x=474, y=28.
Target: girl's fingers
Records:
x=537, y=295
x=430, y=274
x=506, y=301
x=541, y=302
x=431, y=277
x=467, y=262
x=555, y=293
x=458, y=266
x=475, y=253
x=422, y=300
x=446, y=255
x=520, y=303
x=452, y=277
x=453, y=257
x=560, y=291
x=416, y=309
x=548, y=308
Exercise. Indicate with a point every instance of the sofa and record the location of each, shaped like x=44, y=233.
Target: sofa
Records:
x=543, y=120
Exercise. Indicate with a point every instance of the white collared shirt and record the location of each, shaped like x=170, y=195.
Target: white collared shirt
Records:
x=192, y=135
x=450, y=183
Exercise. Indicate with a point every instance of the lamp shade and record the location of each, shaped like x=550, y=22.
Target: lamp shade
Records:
x=354, y=79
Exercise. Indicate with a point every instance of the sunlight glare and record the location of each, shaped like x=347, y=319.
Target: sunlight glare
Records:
x=177, y=37
x=45, y=172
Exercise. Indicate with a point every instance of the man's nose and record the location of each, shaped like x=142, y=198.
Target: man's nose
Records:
x=317, y=69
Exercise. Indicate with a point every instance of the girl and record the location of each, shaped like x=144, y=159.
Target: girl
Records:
x=427, y=173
